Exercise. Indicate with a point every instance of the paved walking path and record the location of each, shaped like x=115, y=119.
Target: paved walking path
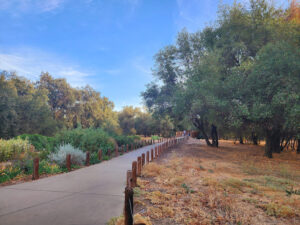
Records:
x=88, y=196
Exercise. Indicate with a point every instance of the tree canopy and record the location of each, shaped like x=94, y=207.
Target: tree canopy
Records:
x=240, y=75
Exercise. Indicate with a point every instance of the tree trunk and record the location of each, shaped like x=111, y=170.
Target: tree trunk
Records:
x=268, y=148
x=298, y=147
x=241, y=140
x=276, y=142
x=272, y=142
x=254, y=138
x=214, y=136
x=200, y=125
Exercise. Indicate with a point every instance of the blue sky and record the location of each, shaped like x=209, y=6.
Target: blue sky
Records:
x=108, y=44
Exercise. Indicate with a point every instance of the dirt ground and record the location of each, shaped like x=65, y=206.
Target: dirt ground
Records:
x=234, y=184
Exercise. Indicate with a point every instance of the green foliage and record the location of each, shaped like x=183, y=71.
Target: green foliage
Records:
x=241, y=76
x=40, y=142
x=187, y=188
x=73, y=106
x=135, y=121
x=9, y=173
x=46, y=167
x=14, y=149
x=155, y=137
x=87, y=139
x=50, y=104
x=23, y=108
x=124, y=140
x=94, y=158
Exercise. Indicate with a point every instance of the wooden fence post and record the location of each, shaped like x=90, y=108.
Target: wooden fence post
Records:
x=87, y=158
x=128, y=207
x=129, y=178
x=134, y=170
x=155, y=152
x=143, y=159
x=147, y=157
x=152, y=155
x=127, y=148
x=35, y=174
x=100, y=155
x=139, y=166
x=68, y=162
x=117, y=151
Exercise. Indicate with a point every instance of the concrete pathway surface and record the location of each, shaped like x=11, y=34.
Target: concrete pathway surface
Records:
x=88, y=196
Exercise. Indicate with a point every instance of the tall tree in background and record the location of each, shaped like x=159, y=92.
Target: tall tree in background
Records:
x=23, y=108
x=239, y=76
x=78, y=106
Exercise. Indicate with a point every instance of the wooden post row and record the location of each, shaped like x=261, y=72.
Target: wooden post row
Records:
x=134, y=174
x=147, y=157
x=117, y=150
x=143, y=159
x=128, y=206
x=152, y=155
x=68, y=162
x=100, y=155
x=87, y=158
x=139, y=166
x=35, y=174
x=129, y=178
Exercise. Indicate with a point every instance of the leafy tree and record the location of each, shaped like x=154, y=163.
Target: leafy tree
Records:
x=238, y=77
x=24, y=109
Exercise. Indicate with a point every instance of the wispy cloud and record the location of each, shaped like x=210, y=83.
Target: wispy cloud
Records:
x=112, y=71
x=193, y=14
x=30, y=6
x=142, y=66
x=30, y=63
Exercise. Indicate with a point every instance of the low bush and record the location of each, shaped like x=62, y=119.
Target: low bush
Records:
x=94, y=158
x=124, y=140
x=9, y=172
x=59, y=157
x=40, y=142
x=87, y=139
x=155, y=137
x=15, y=149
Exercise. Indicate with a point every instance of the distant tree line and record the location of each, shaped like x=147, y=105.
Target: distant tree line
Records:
x=49, y=105
x=136, y=121
x=237, y=78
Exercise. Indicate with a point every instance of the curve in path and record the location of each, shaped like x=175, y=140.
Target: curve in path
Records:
x=88, y=196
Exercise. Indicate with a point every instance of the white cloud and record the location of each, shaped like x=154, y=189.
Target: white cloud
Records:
x=50, y=5
x=31, y=62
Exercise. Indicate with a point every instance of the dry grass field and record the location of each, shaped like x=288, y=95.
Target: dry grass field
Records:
x=234, y=184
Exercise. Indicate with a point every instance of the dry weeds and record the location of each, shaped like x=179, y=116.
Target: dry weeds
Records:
x=234, y=184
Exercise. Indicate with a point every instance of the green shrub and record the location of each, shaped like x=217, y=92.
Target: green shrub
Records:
x=94, y=158
x=87, y=139
x=14, y=149
x=155, y=137
x=124, y=140
x=40, y=142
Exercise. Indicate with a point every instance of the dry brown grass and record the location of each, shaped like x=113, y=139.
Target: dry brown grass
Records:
x=234, y=184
